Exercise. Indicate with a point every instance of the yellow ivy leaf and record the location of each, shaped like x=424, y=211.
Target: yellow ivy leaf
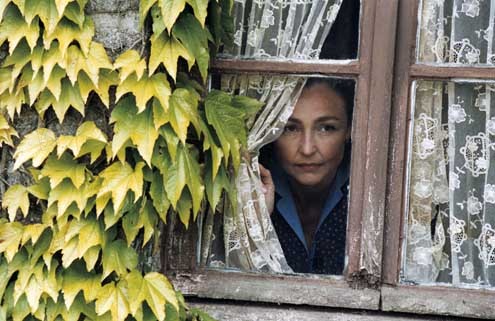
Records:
x=118, y=179
x=91, y=64
x=144, y=8
x=75, y=13
x=70, y=96
x=167, y=50
x=146, y=88
x=160, y=114
x=91, y=234
x=153, y=288
x=139, y=128
x=51, y=57
x=46, y=10
x=32, y=232
x=61, y=4
x=129, y=62
x=16, y=197
x=58, y=169
x=6, y=132
x=37, y=145
x=12, y=102
x=86, y=134
x=200, y=8
x=65, y=194
x=113, y=298
x=10, y=237
x=74, y=281
x=54, y=82
x=91, y=257
x=66, y=33
x=107, y=79
x=170, y=10
x=14, y=28
x=5, y=77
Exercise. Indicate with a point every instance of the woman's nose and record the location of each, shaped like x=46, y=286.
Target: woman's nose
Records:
x=308, y=145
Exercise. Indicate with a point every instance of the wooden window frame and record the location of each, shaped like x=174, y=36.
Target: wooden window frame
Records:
x=359, y=286
x=437, y=299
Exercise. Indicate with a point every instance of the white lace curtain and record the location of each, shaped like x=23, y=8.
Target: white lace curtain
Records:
x=451, y=217
x=265, y=29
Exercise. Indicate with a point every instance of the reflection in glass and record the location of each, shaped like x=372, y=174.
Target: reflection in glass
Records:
x=456, y=32
x=451, y=216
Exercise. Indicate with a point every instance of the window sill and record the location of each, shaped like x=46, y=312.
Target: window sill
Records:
x=439, y=300
x=291, y=289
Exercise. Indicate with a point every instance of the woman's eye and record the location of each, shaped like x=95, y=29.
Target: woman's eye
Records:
x=291, y=129
x=326, y=128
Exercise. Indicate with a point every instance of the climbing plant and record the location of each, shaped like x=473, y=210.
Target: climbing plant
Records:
x=162, y=146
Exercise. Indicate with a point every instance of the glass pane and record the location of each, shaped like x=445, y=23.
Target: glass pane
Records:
x=451, y=217
x=295, y=29
x=302, y=138
x=456, y=32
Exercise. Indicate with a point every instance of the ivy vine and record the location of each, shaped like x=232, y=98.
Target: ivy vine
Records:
x=164, y=146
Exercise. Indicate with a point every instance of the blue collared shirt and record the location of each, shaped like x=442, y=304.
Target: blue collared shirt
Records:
x=327, y=252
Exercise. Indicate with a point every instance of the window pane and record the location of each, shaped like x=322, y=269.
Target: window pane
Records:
x=451, y=215
x=302, y=138
x=456, y=32
x=295, y=29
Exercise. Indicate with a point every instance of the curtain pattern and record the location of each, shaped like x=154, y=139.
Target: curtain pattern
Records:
x=284, y=30
x=451, y=217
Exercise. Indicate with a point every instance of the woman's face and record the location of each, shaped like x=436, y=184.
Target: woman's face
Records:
x=311, y=147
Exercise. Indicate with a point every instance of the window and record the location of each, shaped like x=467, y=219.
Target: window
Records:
x=409, y=76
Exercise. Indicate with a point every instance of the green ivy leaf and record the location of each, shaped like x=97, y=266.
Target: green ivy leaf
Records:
x=131, y=225
x=57, y=169
x=183, y=110
x=189, y=164
x=64, y=194
x=215, y=186
x=71, y=11
x=167, y=50
x=148, y=219
x=14, y=28
x=16, y=197
x=120, y=178
x=139, y=128
x=158, y=195
x=228, y=123
x=118, y=257
x=36, y=146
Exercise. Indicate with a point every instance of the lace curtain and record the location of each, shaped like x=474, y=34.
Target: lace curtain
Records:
x=451, y=217
x=265, y=29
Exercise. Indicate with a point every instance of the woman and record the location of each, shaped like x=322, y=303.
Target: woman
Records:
x=306, y=191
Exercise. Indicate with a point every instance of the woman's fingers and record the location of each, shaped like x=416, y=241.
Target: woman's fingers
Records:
x=268, y=187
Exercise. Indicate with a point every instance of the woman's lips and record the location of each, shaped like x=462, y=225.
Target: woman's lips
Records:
x=310, y=167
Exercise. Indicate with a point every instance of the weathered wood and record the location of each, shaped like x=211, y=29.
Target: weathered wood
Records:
x=439, y=300
x=253, y=312
x=257, y=287
x=378, y=129
x=398, y=143
x=334, y=67
x=179, y=251
x=449, y=72
x=359, y=133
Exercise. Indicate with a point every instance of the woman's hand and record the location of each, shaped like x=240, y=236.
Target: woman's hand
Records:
x=268, y=188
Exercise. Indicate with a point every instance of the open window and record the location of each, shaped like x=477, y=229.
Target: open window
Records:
x=347, y=52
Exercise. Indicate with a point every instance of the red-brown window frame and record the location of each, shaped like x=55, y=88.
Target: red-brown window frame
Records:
x=438, y=299
x=358, y=287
